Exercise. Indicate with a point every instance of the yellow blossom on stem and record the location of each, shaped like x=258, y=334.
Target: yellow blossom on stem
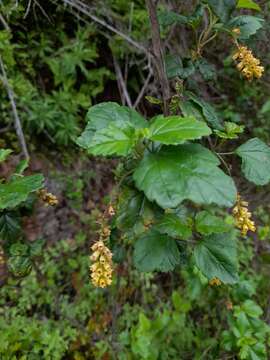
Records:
x=243, y=217
x=215, y=282
x=248, y=65
x=47, y=198
x=101, y=269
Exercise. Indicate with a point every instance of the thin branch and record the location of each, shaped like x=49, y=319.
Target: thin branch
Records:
x=3, y=21
x=158, y=52
x=121, y=82
x=86, y=10
x=146, y=83
x=17, y=122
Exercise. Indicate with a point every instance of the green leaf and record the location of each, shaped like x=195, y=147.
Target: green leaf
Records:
x=173, y=130
x=207, y=223
x=23, y=165
x=154, y=251
x=167, y=18
x=216, y=256
x=114, y=141
x=9, y=225
x=255, y=156
x=184, y=172
x=252, y=309
x=173, y=226
x=207, y=110
x=4, y=153
x=17, y=191
x=248, y=4
x=176, y=67
x=100, y=116
x=222, y=8
x=207, y=70
x=247, y=24
x=231, y=130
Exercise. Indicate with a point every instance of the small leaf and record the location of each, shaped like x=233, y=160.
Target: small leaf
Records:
x=153, y=100
x=216, y=256
x=208, y=71
x=207, y=110
x=23, y=164
x=247, y=24
x=207, y=223
x=231, y=130
x=222, y=8
x=248, y=4
x=154, y=251
x=172, y=225
x=173, y=130
x=175, y=67
x=4, y=153
x=255, y=156
x=17, y=191
x=167, y=18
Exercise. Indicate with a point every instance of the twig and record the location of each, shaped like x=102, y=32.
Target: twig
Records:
x=121, y=83
x=141, y=93
x=17, y=122
x=3, y=21
x=83, y=8
x=27, y=9
x=158, y=53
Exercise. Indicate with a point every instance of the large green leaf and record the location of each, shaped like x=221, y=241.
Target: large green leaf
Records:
x=255, y=156
x=173, y=130
x=172, y=225
x=248, y=4
x=184, y=172
x=216, y=256
x=100, y=116
x=17, y=191
x=4, y=153
x=155, y=251
x=222, y=8
x=247, y=24
x=206, y=223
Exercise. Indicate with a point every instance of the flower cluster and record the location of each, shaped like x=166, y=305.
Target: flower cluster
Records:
x=47, y=198
x=243, y=216
x=215, y=282
x=248, y=65
x=101, y=270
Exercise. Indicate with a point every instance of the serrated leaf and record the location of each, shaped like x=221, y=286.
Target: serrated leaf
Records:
x=255, y=155
x=9, y=225
x=167, y=18
x=173, y=130
x=207, y=223
x=172, y=225
x=4, y=154
x=184, y=172
x=207, y=70
x=248, y=4
x=17, y=190
x=100, y=116
x=222, y=8
x=209, y=113
x=247, y=24
x=113, y=141
x=216, y=256
x=231, y=130
x=155, y=251
x=176, y=67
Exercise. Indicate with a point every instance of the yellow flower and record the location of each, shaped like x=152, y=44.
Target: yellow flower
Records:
x=101, y=269
x=215, y=282
x=243, y=217
x=47, y=198
x=248, y=65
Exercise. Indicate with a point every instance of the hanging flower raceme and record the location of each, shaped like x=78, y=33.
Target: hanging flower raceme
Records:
x=48, y=198
x=243, y=216
x=101, y=269
x=248, y=65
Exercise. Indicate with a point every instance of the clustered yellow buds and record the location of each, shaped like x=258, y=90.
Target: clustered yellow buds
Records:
x=47, y=198
x=248, y=65
x=243, y=216
x=110, y=210
x=215, y=282
x=101, y=270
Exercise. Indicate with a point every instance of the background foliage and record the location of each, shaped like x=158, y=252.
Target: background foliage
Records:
x=59, y=62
